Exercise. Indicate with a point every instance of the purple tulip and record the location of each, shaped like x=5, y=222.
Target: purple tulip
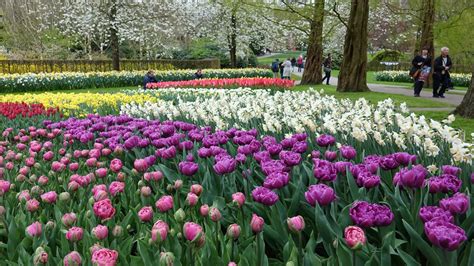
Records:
x=225, y=166
x=457, y=204
x=315, y=154
x=366, y=214
x=288, y=143
x=274, y=149
x=204, y=152
x=444, y=184
x=300, y=147
x=325, y=140
x=367, y=180
x=188, y=168
x=186, y=145
x=342, y=166
x=131, y=142
x=388, y=162
x=290, y=158
x=411, y=178
x=444, y=234
x=451, y=170
x=262, y=156
x=472, y=178
x=273, y=166
x=276, y=180
x=324, y=170
x=348, y=152
x=265, y=196
x=429, y=213
x=240, y=158
x=330, y=155
x=321, y=194
x=404, y=158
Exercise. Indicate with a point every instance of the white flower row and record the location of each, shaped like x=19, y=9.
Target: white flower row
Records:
x=288, y=112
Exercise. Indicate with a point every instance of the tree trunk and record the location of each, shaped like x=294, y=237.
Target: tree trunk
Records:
x=352, y=77
x=428, y=17
x=466, y=108
x=233, y=41
x=114, y=38
x=314, y=58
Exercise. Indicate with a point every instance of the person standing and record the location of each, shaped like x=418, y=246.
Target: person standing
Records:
x=327, y=66
x=198, y=74
x=293, y=63
x=281, y=66
x=287, y=69
x=420, y=65
x=149, y=78
x=275, y=68
x=299, y=62
x=442, y=65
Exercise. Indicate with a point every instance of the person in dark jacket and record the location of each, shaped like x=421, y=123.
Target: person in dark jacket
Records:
x=442, y=65
x=293, y=63
x=327, y=66
x=149, y=78
x=419, y=63
x=198, y=74
x=281, y=69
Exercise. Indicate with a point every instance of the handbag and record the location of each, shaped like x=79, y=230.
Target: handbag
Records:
x=414, y=72
x=327, y=69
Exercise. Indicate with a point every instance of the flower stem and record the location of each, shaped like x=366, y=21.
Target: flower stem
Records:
x=354, y=258
x=300, y=249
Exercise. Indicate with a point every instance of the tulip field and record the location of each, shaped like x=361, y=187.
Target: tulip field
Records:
x=230, y=176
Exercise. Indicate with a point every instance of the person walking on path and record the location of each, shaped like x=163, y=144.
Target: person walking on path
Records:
x=299, y=62
x=293, y=63
x=421, y=67
x=287, y=69
x=149, y=78
x=275, y=68
x=327, y=66
x=442, y=65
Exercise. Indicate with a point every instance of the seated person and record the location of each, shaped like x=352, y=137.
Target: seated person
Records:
x=198, y=74
x=149, y=78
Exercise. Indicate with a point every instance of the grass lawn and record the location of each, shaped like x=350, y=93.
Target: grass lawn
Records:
x=268, y=60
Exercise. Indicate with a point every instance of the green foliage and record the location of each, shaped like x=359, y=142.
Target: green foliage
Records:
x=386, y=55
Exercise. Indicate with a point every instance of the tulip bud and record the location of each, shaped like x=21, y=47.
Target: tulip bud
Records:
x=192, y=199
x=290, y=263
x=196, y=189
x=20, y=178
x=50, y=225
x=257, y=223
x=33, y=178
x=94, y=248
x=117, y=231
x=204, y=210
x=69, y=219
x=296, y=224
x=179, y=215
x=100, y=232
x=145, y=191
x=40, y=257
x=64, y=196
x=233, y=231
x=2, y=210
x=178, y=184
x=121, y=176
x=215, y=214
x=169, y=188
x=141, y=183
x=232, y=264
x=166, y=258
x=238, y=198
x=36, y=190
x=355, y=237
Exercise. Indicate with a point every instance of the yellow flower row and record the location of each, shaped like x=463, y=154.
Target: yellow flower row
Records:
x=80, y=104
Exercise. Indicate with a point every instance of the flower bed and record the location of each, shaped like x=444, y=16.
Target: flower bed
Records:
x=310, y=111
x=76, y=80
x=260, y=83
x=79, y=104
x=13, y=110
x=463, y=80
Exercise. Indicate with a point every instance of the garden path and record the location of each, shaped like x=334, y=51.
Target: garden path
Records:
x=454, y=99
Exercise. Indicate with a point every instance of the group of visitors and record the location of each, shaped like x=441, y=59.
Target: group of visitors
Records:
x=284, y=69
x=421, y=69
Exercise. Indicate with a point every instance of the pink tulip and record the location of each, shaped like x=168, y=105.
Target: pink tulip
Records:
x=145, y=191
x=238, y=198
x=32, y=205
x=48, y=156
x=91, y=162
x=34, y=229
x=354, y=236
x=101, y=172
x=9, y=165
x=106, y=151
x=192, y=199
x=296, y=224
x=105, y=257
x=145, y=214
x=100, y=195
x=104, y=209
x=4, y=186
x=233, y=231
x=165, y=203
x=204, y=210
x=116, y=187
x=49, y=197
x=24, y=170
x=58, y=166
x=43, y=180
x=232, y=264
x=257, y=223
x=30, y=161
x=116, y=165
x=140, y=165
x=94, y=153
x=73, y=186
x=159, y=231
x=100, y=232
x=178, y=184
x=192, y=231
x=40, y=256
x=24, y=195
x=73, y=166
x=69, y=219
x=72, y=259
x=196, y=189
x=215, y=214
x=74, y=234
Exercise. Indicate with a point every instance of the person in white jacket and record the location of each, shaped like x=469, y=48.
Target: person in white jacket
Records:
x=287, y=69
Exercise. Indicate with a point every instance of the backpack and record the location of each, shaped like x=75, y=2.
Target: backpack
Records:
x=275, y=67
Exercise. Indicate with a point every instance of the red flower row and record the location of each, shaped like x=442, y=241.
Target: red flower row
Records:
x=12, y=110
x=223, y=83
